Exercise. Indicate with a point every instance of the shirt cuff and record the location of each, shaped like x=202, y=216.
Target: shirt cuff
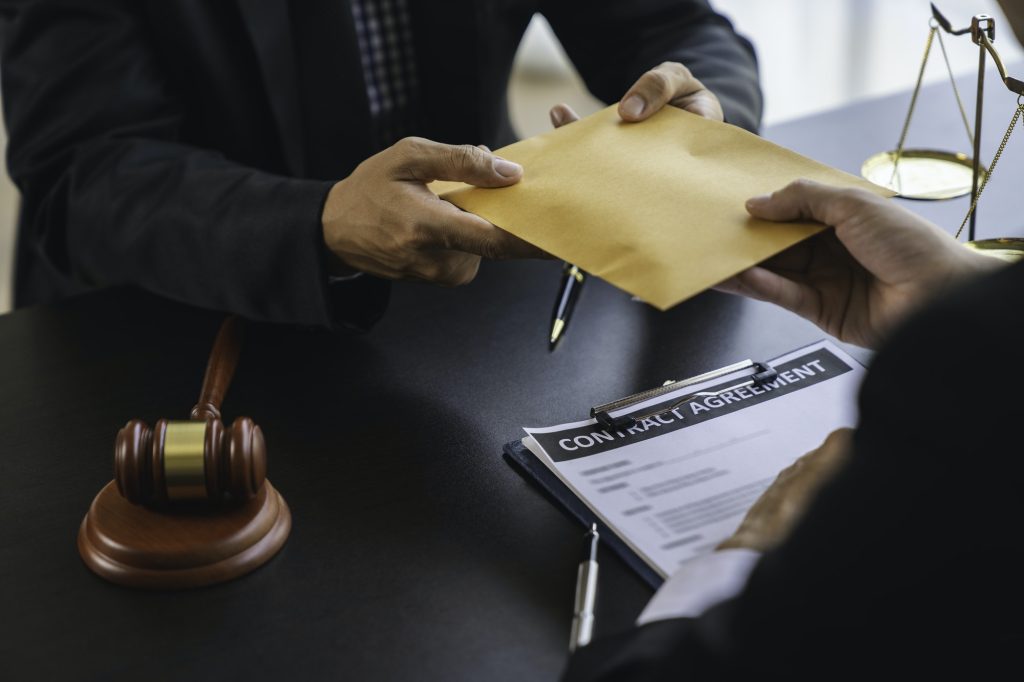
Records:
x=700, y=584
x=331, y=279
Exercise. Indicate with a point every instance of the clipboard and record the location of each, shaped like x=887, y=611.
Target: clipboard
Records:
x=535, y=472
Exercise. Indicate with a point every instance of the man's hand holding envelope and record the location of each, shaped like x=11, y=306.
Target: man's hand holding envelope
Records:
x=382, y=219
x=855, y=281
x=657, y=207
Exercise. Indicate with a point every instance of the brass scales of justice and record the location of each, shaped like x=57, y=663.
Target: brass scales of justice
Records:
x=933, y=175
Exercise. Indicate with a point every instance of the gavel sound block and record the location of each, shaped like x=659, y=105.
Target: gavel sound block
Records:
x=189, y=504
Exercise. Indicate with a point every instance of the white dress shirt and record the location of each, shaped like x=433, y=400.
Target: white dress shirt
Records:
x=700, y=584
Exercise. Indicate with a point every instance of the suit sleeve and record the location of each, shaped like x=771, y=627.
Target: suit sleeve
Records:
x=613, y=43
x=112, y=195
x=905, y=562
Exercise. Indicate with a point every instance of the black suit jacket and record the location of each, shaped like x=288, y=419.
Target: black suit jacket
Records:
x=187, y=146
x=908, y=565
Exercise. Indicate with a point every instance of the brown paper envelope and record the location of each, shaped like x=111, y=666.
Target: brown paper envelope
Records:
x=656, y=208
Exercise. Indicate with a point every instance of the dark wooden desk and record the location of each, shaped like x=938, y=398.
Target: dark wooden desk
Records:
x=416, y=553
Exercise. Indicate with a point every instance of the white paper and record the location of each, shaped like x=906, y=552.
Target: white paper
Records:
x=675, y=486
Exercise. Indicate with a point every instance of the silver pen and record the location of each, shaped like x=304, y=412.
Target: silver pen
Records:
x=586, y=592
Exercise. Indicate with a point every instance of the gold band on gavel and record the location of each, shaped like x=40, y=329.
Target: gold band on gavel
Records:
x=185, y=460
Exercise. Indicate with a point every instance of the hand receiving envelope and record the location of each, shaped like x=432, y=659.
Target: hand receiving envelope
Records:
x=655, y=208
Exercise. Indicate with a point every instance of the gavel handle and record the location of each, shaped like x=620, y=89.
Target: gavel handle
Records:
x=220, y=369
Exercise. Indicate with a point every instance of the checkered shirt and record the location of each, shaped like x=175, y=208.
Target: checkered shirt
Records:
x=389, y=66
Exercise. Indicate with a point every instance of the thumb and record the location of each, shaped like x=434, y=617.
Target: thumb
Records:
x=425, y=161
x=808, y=200
x=562, y=114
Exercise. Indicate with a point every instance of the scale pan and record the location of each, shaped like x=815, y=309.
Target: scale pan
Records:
x=925, y=174
x=1010, y=249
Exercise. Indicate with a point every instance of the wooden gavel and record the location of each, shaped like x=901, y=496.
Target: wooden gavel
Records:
x=199, y=458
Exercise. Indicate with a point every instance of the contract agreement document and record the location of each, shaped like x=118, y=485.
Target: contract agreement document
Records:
x=675, y=485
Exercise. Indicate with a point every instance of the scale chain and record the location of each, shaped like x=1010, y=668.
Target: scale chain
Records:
x=992, y=168
x=913, y=103
x=956, y=92
x=933, y=30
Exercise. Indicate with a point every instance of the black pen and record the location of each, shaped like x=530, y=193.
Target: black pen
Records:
x=586, y=592
x=572, y=282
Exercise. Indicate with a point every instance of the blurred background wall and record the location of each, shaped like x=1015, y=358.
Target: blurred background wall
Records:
x=815, y=55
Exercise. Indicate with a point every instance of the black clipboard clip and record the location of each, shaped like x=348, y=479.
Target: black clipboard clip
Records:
x=759, y=373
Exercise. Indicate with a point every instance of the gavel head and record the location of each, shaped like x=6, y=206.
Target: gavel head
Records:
x=189, y=460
